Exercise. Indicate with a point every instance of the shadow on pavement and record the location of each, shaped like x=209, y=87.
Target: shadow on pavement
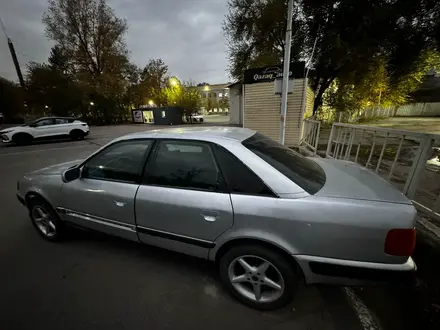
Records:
x=411, y=307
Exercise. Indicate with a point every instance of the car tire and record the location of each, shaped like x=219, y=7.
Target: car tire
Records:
x=22, y=139
x=201, y=120
x=45, y=220
x=269, y=271
x=77, y=134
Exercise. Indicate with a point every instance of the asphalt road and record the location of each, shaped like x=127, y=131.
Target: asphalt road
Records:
x=92, y=281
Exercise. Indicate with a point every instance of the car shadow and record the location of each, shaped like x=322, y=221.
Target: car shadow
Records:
x=43, y=142
x=155, y=254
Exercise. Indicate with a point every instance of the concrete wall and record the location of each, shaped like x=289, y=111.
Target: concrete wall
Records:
x=262, y=111
x=235, y=105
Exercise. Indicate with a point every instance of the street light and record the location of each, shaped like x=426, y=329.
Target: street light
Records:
x=91, y=103
x=151, y=103
x=46, y=106
x=174, y=82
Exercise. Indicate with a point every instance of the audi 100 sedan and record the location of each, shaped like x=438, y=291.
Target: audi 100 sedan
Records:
x=267, y=216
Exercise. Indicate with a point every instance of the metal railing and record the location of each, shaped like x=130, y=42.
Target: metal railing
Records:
x=409, y=160
x=310, y=134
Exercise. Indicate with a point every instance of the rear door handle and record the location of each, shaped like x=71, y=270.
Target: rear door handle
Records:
x=210, y=216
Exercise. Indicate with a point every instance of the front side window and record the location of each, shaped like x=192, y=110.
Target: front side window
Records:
x=184, y=164
x=44, y=122
x=122, y=161
x=304, y=172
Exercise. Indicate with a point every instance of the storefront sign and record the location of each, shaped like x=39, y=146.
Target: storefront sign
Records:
x=137, y=116
x=271, y=73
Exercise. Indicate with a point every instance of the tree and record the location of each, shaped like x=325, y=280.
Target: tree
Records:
x=88, y=33
x=51, y=90
x=224, y=103
x=255, y=32
x=11, y=99
x=90, y=37
x=350, y=36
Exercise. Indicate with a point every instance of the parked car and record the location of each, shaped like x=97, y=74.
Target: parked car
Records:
x=46, y=128
x=195, y=117
x=266, y=215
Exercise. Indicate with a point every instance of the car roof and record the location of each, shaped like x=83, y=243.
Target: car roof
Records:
x=54, y=117
x=222, y=132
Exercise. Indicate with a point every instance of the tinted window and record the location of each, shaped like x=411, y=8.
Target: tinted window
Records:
x=59, y=121
x=184, y=164
x=121, y=161
x=301, y=170
x=239, y=178
x=44, y=122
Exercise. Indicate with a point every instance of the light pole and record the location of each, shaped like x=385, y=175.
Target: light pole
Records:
x=286, y=67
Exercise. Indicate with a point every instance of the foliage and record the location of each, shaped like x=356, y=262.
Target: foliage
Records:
x=90, y=44
x=356, y=42
x=224, y=103
x=51, y=90
x=185, y=95
x=255, y=33
x=11, y=99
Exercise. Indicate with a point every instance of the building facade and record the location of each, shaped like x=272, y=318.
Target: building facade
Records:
x=256, y=102
x=215, y=98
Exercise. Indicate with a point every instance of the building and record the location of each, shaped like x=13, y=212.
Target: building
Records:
x=158, y=116
x=215, y=93
x=255, y=102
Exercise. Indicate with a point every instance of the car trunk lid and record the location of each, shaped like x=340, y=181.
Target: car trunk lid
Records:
x=346, y=179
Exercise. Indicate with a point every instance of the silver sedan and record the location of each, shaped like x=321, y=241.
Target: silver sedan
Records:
x=269, y=217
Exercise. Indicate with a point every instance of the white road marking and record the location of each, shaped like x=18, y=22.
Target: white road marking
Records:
x=365, y=316
x=50, y=149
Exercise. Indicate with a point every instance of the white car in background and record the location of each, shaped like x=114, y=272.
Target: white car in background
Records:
x=197, y=117
x=46, y=128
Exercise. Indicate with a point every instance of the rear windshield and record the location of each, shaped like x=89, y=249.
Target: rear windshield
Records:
x=304, y=172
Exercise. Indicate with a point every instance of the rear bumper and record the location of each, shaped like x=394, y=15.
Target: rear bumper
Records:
x=348, y=272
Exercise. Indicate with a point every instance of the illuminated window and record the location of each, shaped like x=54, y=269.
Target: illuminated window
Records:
x=220, y=95
x=164, y=114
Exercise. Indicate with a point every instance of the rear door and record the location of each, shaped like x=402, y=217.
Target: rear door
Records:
x=63, y=126
x=182, y=204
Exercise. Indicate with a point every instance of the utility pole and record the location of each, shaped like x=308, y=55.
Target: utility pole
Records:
x=286, y=68
x=13, y=55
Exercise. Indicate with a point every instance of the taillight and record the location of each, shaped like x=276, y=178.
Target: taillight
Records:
x=400, y=242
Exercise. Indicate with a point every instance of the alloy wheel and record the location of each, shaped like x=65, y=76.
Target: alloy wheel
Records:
x=44, y=221
x=256, y=279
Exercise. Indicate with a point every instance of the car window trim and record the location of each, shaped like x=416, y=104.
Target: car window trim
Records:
x=36, y=122
x=140, y=172
x=153, y=155
x=228, y=186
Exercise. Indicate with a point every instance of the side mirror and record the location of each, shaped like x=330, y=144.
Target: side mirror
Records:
x=71, y=174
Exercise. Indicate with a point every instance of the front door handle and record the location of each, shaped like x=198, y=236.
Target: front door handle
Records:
x=210, y=216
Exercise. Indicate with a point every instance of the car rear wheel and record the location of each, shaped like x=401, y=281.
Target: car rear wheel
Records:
x=77, y=135
x=258, y=276
x=45, y=219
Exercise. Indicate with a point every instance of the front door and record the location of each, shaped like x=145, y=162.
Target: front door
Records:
x=182, y=204
x=103, y=198
x=44, y=128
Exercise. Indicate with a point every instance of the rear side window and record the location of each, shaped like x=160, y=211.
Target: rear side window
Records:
x=59, y=121
x=184, y=164
x=304, y=172
x=239, y=178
